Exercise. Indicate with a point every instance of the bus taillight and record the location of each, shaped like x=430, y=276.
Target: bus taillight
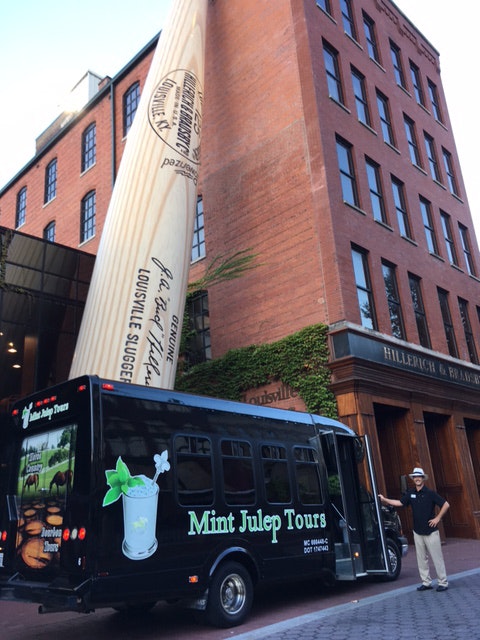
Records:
x=40, y=403
x=3, y=536
x=107, y=386
x=77, y=533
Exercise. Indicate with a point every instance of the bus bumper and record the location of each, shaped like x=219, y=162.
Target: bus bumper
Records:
x=403, y=545
x=50, y=598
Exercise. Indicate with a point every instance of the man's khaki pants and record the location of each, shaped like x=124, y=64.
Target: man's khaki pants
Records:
x=430, y=546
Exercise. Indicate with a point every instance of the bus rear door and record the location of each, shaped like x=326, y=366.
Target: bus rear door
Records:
x=360, y=545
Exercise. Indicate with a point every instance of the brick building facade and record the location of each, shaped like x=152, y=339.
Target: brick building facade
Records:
x=327, y=150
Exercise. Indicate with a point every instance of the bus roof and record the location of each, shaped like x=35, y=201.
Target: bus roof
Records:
x=181, y=398
x=219, y=404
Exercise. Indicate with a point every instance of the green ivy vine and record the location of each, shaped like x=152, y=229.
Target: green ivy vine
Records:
x=299, y=360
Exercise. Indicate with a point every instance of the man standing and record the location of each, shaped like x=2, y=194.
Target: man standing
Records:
x=423, y=501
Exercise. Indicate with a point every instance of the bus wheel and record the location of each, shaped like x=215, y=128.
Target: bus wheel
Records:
x=395, y=559
x=230, y=595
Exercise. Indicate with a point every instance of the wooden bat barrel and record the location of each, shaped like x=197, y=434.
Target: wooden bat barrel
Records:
x=132, y=321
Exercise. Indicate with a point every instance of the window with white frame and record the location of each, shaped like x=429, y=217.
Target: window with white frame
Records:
x=89, y=146
x=21, y=208
x=50, y=181
x=87, y=216
x=198, y=244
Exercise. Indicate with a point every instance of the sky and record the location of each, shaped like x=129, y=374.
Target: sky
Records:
x=46, y=47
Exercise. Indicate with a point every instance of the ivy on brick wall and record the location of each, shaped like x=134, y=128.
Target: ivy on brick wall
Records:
x=299, y=360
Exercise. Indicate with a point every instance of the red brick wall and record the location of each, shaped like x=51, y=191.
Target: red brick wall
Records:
x=270, y=179
x=72, y=184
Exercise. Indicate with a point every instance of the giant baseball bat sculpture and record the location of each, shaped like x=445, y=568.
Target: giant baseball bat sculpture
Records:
x=131, y=325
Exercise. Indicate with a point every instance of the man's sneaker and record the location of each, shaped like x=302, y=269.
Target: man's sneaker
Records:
x=426, y=587
x=441, y=587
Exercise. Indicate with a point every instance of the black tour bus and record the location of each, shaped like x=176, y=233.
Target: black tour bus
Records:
x=116, y=495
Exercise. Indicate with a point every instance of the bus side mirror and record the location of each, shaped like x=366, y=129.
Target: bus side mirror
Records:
x=403, y=484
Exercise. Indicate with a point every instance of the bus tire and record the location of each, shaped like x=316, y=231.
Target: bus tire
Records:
x=230, y=595
x=395, y=558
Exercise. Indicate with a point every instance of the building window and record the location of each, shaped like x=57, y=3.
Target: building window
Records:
x=449, y=170
x=426, y=209
x=412, y=141
x=347, y=18
x=50, y=181
x=21, y=207
x=347, y=173
x=393, y=300
x=432, y=157
x=198, y=245
x=419, y=310
x=131, y=99
x=360, y=93
x=198, y=346
x=467, y=252
x=385, y=118
x=369, y=30
x=376, y=192
x=49, y=232
x=434, y=99
x=417, y=83
x=364, y=288
x=332, y=69
x=398, y=189
x=448, y=235
x=87, y=216
x=397, y=65
x=325, y=5
x=89, y=147
x=467, y=328
x=447, y=323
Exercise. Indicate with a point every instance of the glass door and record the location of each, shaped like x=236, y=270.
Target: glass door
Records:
x=359, y=536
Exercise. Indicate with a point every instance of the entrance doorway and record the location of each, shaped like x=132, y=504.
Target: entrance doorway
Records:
x=395, y=445
x=448, y=483
x=473, y=438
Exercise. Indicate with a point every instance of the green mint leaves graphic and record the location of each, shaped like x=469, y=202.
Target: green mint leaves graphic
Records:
x=119, y=481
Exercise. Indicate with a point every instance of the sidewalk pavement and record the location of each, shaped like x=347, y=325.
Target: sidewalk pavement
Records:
x=393, y=609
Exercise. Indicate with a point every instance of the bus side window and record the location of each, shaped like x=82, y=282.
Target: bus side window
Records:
x=275, y=474
x=194, y=476
x=306, y=474
x=237, y=466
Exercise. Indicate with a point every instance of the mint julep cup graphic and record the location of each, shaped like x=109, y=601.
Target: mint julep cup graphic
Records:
x=139, y=520
x=140, y=500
